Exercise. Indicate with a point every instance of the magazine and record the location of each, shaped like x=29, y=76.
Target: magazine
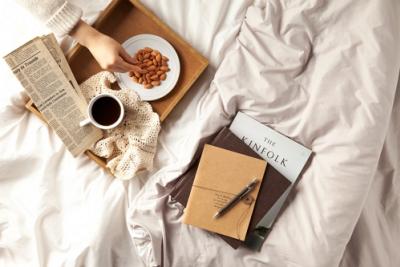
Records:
x=285, y=155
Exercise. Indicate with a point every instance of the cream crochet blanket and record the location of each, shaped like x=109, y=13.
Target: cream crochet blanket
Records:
x=130, y=147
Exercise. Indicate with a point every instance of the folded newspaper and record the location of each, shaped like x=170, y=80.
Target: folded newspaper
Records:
x=43, y=71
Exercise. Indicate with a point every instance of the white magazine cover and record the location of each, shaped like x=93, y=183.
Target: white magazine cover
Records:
x=284, y=154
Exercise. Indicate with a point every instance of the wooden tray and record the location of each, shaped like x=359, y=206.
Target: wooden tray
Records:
x=121, y=20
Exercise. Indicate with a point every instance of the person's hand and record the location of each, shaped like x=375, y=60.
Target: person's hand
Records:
x=109, y=53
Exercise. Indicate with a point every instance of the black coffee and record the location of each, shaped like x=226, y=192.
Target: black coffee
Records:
x=106, y=110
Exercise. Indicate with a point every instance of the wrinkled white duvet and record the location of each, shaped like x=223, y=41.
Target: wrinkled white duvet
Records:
x=324, y=73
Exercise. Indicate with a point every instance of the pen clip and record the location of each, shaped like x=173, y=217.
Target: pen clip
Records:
x=242, y=194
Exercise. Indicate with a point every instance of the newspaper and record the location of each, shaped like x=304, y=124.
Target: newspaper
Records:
x=55, y=50
x=43, y=71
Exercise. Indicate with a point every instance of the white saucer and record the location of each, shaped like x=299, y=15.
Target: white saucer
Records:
x=137, y=42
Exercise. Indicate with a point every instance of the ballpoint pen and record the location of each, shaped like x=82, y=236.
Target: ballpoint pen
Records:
x=237, y=198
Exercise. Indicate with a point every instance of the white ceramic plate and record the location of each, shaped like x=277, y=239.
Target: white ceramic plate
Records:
x=137, y=42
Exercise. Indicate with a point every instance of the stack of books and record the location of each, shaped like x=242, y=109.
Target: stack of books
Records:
x=247, y=151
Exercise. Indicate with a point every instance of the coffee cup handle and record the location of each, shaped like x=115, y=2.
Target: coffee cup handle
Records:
x=84, y=122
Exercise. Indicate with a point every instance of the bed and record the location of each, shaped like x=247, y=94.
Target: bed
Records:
x=323, y=73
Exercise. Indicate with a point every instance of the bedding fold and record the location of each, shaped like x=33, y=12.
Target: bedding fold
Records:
x=323, y=75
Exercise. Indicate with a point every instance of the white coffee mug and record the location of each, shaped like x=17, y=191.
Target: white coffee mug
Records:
x=104, y=111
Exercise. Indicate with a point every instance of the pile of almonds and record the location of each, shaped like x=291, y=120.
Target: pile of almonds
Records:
x=154, y=66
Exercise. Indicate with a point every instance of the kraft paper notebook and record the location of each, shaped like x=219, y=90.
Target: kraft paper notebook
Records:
x=220, y=176
x=273, y=186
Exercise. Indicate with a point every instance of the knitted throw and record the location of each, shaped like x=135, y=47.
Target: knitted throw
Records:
x=129, y=147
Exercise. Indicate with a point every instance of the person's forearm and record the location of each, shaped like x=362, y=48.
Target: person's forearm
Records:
x=84, y=33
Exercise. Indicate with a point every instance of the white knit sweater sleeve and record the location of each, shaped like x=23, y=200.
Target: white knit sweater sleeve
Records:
x=59, y=16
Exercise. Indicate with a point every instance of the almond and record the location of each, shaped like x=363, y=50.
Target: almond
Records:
x=154, y=66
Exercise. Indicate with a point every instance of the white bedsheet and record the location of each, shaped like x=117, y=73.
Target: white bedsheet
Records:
x=324, y=74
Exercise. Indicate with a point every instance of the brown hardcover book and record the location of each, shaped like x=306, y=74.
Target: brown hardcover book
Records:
x=273, y=186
